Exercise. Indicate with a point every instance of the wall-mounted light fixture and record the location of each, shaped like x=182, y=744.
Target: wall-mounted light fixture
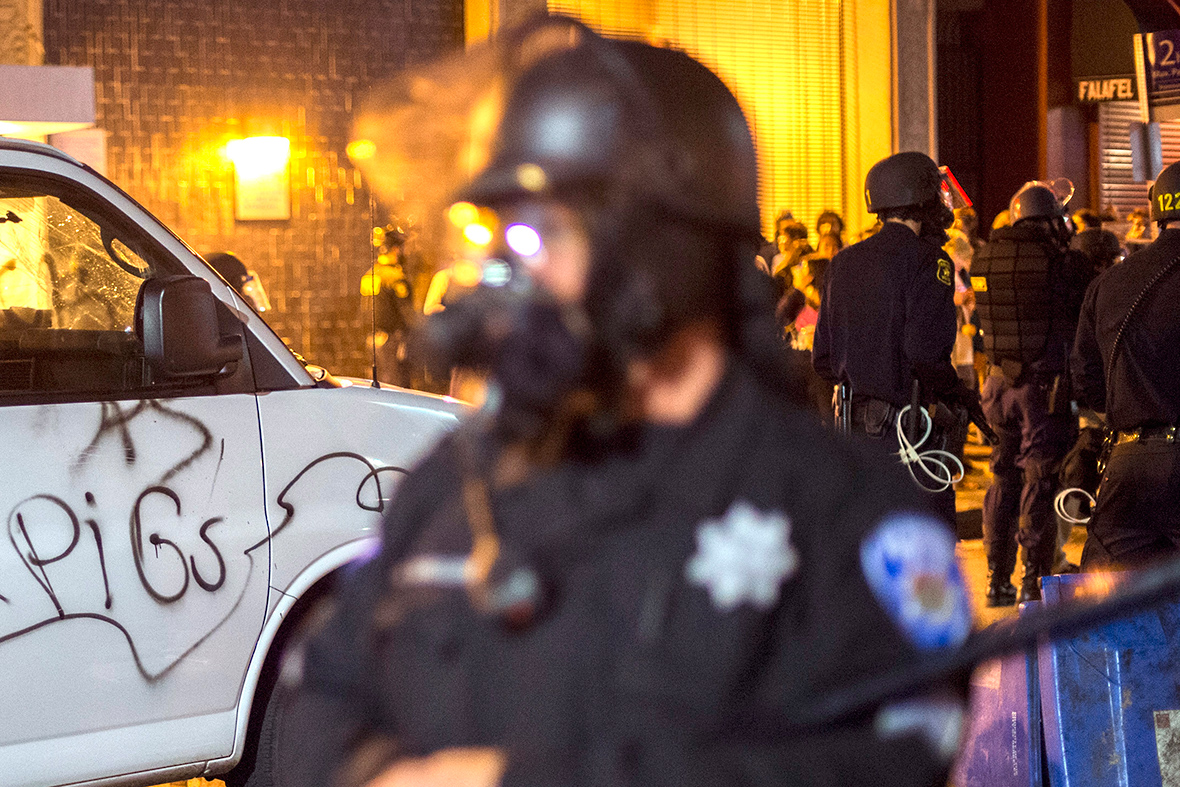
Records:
x=262, y=178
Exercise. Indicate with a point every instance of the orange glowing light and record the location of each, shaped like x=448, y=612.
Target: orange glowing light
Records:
x=259, y=157
x=1096, y=585
x=361, y=149
x=466, y=274
x=462, y=214
x=531, y=177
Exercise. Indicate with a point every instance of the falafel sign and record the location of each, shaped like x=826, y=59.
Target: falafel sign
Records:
x=1095, y=90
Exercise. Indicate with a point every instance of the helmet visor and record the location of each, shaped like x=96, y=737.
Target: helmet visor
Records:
x=529, y=243
x=1061, y=188
x=953, y=195
x=254, y=292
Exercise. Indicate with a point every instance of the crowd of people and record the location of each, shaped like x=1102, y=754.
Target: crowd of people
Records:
x=1003, y=315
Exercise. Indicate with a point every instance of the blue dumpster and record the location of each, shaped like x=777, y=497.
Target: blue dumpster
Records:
x=1110, y=698
x=1002, y=745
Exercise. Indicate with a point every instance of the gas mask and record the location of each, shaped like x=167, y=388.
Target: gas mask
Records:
x=522, y=324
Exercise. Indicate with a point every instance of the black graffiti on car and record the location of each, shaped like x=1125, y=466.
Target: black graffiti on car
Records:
x=115, y=420
x=217, y=470
x=373, y=474
x=36, y=562
x=147, y=674
x=157, y=540
x=142, y=534
x=102, y=560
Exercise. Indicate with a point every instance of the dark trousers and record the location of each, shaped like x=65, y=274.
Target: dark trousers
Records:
x=1018, y=506
x=877, y=429
x=1137, y=519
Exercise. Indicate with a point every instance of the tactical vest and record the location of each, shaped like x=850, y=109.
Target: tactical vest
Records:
x=1012, y=277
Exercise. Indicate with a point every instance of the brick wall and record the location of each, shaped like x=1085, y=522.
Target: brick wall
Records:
x=176, y=79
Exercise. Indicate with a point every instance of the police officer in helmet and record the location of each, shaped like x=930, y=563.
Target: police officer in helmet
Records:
x=1028, y=288
x=1125, y=357
x=887, y=325
x=636, y=562
x=245, y=282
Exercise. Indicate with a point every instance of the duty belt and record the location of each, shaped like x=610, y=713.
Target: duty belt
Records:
x=1164, y=433
x=874, y=417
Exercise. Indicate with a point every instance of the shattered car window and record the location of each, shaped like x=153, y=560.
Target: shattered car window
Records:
x=59, y=269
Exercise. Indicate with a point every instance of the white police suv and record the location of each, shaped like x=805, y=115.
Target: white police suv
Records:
x=172, y=482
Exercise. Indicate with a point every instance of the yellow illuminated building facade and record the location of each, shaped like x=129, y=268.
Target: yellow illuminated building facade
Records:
x=813, y=76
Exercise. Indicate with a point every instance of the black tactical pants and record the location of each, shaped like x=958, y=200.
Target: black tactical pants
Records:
x=876, y=420
x=1018, y=506
x=1137, y=519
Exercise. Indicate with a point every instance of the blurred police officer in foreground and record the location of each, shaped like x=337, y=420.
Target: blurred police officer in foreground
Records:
x=888, y=318
x=1028, y=288
x=1125, y=361
x=634, y=569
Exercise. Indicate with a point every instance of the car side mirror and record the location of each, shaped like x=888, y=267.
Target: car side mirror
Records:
x=177, y=321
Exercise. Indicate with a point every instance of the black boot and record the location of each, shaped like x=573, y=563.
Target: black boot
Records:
x=1030, y=587
x=1030, y=583
x=1037, y=561
x=1001, y=564
x=1000, y=590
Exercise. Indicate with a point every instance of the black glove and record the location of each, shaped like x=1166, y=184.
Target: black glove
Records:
x=969, y=399
x=1080, y=467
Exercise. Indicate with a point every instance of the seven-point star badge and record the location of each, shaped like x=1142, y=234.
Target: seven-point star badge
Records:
x=744, y=556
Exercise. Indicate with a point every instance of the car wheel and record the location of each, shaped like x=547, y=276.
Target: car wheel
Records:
x=263, y=759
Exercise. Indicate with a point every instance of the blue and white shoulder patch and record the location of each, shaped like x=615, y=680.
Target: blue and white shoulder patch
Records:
x=909, y=563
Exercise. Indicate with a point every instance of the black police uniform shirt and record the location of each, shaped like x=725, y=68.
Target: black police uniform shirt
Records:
x=697, y=604
x=1144, y=384
x=888, y=315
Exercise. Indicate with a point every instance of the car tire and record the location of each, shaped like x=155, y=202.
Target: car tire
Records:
x=262, y=760
x=257, y=767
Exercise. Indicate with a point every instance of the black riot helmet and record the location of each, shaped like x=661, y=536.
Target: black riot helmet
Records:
x=910, y=186
x=606, y=113
x=1035, y=201
x=229, y=267
x=1165, y=195
x=903, y=179
x=655, y=152
x=1039, y=202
